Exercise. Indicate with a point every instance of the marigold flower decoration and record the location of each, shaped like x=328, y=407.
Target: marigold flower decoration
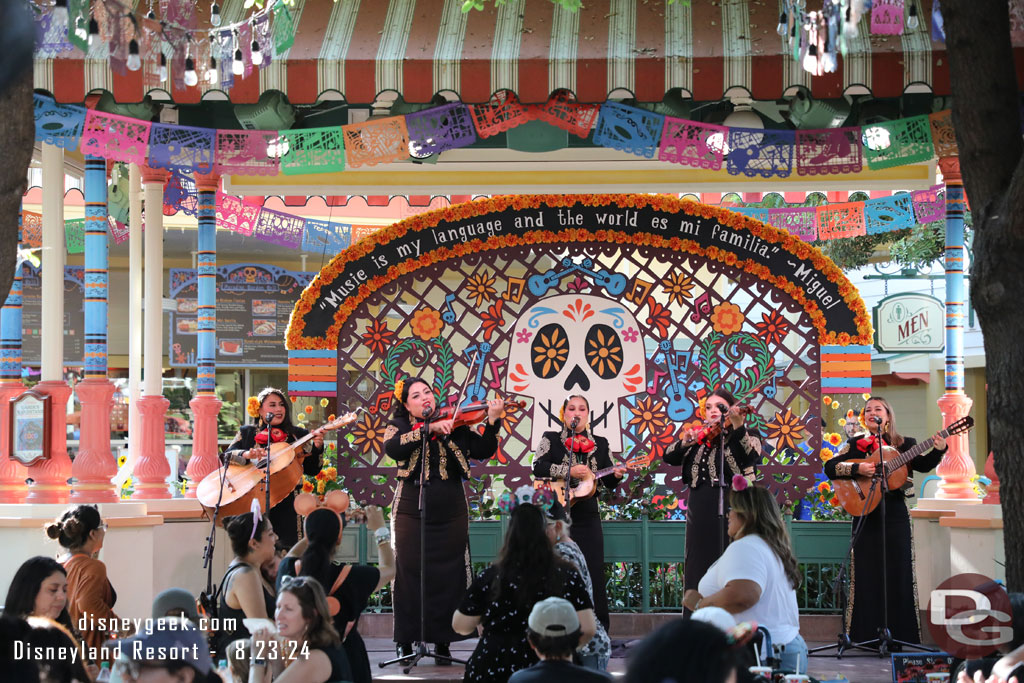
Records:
x=426, y=323
x=399, y=387
x=786, y=428
x=727, y=318
x=252, y=406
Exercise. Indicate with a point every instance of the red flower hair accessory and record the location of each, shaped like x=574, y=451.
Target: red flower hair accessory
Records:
x=739, y=482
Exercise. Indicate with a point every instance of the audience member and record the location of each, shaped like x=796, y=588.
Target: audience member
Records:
x=684, y=651
x=90, y=595
x=244, y=592
x=597, y=653
x=305, y=634
x=175, y=602
x=757, y=576
x=1008, y=669
x=349, y=587
x=47, y=636
x=501, y=597
x=553, y=631
x=12, y=660
x=168, y=649
x=238, y=654
x=39, y=589
x=973, y=667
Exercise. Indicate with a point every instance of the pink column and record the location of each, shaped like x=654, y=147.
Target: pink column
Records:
x=957, y=468
x=13, y=488
x=152, y=469
x=94, y=466
x=205, y=455
x=50, y=477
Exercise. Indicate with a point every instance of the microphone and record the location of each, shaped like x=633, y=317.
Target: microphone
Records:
x=268, y=417
x=572, y=425
x=428, y=411
x=877, y=420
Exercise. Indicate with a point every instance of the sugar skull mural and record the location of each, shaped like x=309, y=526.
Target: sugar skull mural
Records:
x=577, y=344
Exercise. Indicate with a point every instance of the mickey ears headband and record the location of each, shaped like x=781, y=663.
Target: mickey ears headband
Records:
x=543, y=498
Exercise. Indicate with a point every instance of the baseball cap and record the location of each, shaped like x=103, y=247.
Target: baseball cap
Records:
x=175, y=599
x=169, y=639
x=716, y=616
x=553, y=617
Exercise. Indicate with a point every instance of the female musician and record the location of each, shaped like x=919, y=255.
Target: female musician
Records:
x=560, y=455
x=250, y=445
x=864, y=615
x=706, y=533
x=445, y=509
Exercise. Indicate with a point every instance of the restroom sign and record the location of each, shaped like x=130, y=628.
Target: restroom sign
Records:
x=909, y=323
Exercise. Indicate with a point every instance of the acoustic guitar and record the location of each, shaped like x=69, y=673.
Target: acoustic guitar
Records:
x=586, y=486
x=856, y=495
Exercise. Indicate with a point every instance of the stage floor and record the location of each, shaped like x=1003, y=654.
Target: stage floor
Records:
x=856, y=668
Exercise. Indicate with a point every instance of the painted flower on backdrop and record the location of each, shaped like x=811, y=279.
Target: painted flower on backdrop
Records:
x=492, y=319
x=727, y=318
x=786, y=428
x=658, y=316
x=550, y=351
x=648, y=415
x=773, y=328
x=480, y=287
x=523, y=336
x=426, y=323
x=604, y=353
x=630, y=335
x=660, y=441
x=377, y=336
x=678, y=286
x=368, y=434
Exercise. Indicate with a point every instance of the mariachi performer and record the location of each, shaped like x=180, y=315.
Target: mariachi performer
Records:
x=576, y=452
x=700, y=454
x=250, y=445
x=449, y=449
x=864, y=613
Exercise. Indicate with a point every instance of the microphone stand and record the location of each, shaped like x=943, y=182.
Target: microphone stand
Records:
x=420, y=649
x=573, y=453
x=207, y=600
x=266, y=481
x=720, y=531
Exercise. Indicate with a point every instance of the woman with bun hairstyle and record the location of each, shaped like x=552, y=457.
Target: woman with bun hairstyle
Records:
x=250, y=446
x=90, y=596
x=244, y=592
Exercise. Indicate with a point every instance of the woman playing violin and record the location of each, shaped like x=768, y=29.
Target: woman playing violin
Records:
x=576, y=452
x=250, y=445
x=699, y=453
x=450, y=446
x=864, y=614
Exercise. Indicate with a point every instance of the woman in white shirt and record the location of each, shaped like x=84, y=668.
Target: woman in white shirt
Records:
x=757, y=576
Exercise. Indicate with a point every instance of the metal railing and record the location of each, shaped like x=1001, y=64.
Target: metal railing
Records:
x=644, y=561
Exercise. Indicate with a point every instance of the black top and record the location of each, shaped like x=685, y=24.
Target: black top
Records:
x=503, y=648
x=554, y=461
x=225, y=613
x=448, y=453
x=550, y=671
x=246, y=439
x=861, y=446
x=340, y=669
x=700, y=461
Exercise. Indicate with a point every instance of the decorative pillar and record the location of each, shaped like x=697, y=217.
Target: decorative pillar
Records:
x=50, y=476
x=957, y=467
x=12, y=473
x=151, y=468
x=95, y=466
x=135, y=316
x=205, y=406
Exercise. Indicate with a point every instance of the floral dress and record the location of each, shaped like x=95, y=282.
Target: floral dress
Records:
x=503, y=648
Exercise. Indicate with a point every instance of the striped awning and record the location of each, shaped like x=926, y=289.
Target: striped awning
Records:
x=360, y=48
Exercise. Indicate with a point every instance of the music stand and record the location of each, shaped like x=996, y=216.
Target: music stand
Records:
x=882, y=645
x=420, y=649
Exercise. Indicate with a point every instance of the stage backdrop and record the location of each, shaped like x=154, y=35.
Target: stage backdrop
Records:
x=643, y=303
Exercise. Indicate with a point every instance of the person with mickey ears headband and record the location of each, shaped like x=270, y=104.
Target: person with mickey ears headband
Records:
x=553, y=631
x=448, y=569
x=250, y=446
x=570, y=454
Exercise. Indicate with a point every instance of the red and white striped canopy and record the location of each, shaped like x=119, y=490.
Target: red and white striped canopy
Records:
x=360, y=48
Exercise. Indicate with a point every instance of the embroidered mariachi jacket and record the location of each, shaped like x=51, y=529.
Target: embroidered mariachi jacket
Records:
x=553, y=460
x=246, y=439
x=859, y=447
x=700, y=461
x=448, y=455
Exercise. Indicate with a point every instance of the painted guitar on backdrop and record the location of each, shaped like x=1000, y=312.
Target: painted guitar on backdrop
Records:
x=586, y=486
x=854, y=493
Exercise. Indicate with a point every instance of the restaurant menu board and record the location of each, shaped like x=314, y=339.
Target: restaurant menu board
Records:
x=254, y=302
x=32, y=315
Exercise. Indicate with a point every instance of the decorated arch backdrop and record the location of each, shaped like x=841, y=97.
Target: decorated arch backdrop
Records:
x=644, y=303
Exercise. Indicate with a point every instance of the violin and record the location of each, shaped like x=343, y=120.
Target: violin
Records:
x=471, y=413
x=711, y=431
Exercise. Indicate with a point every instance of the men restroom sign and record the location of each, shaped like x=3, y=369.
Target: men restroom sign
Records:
x=909, y=323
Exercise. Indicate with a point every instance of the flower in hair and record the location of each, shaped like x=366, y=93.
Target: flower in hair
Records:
x=507, y=502
x=399, y=386
x=252, y=406
x=702, y=410
x=739, y=482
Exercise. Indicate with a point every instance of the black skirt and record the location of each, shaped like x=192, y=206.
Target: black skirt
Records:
x=447, y=559
x=864, y=613
x=703, y=547
x=586, y=531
